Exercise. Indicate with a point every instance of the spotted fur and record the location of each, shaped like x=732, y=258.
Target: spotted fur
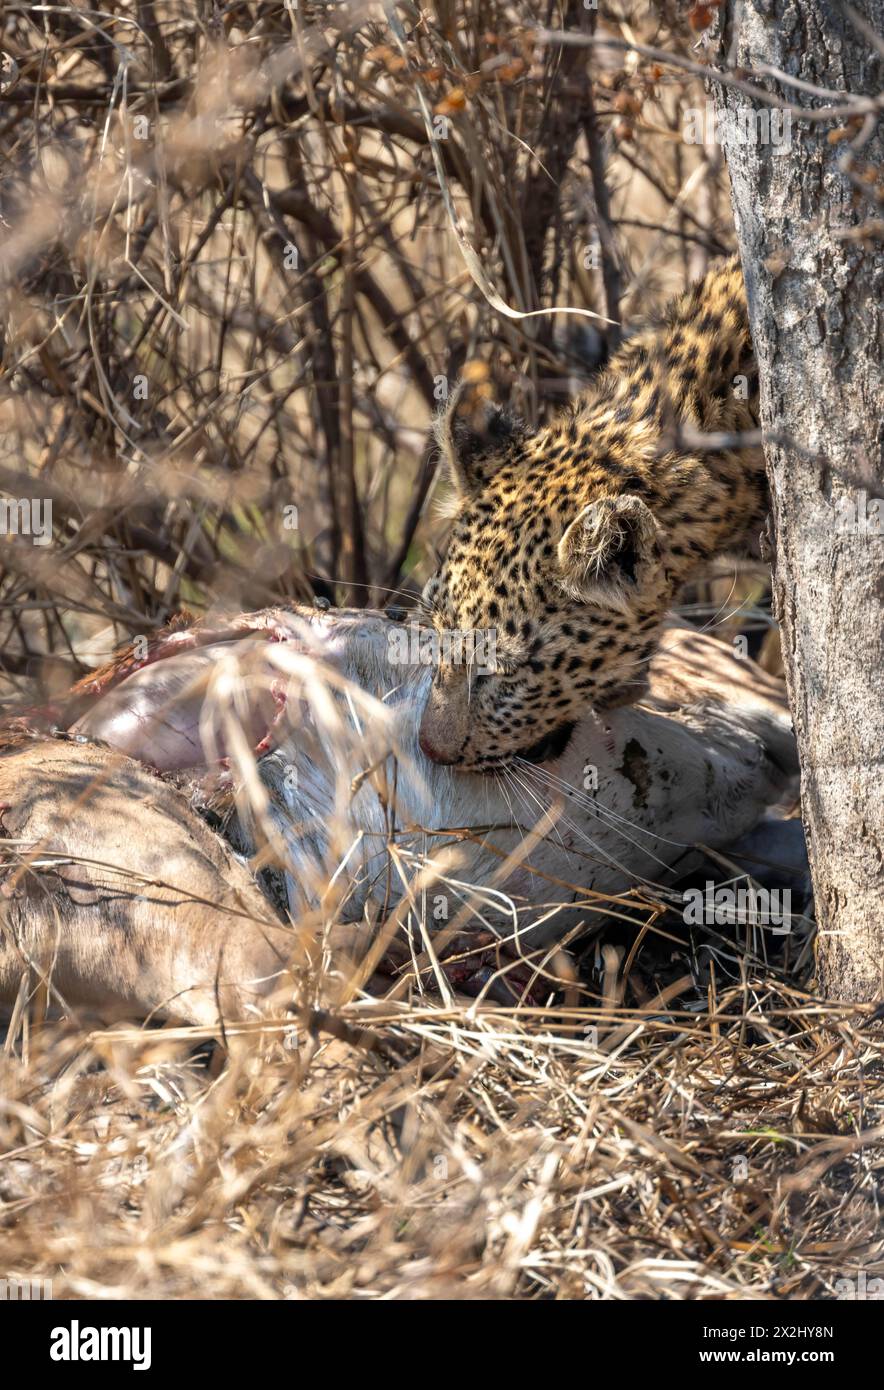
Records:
x=570, y=543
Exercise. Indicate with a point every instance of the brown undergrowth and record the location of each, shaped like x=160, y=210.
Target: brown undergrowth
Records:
x=458, y=1152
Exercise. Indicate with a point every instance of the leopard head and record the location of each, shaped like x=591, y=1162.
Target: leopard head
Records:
x=559, y=575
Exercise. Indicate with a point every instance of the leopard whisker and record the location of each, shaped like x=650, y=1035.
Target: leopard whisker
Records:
x=617, y=830
x=603, y=854
x=589, y=803
x=544, y=811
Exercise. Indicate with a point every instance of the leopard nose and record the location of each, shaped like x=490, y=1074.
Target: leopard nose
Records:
x=435, y=755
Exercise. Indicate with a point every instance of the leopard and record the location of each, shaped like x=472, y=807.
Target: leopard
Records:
x=570, y=542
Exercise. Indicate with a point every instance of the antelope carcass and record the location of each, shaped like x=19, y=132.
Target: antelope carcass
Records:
x=296, y=733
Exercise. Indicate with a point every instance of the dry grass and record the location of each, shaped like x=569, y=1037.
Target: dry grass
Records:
x=233, y=298
x=446, y=1153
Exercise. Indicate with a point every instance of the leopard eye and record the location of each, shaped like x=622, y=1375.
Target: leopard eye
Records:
x=501, y=673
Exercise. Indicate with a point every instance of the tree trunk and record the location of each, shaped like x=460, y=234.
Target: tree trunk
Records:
x=814, y=286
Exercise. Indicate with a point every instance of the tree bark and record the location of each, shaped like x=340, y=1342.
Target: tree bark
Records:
x=815, y=302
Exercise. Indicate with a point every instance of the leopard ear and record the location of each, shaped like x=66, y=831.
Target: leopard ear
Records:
x=473, y=434
x=608, y=551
